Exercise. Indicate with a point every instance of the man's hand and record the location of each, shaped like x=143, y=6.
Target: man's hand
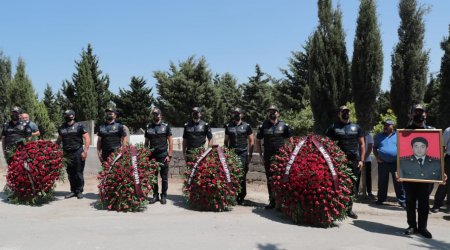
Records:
x=397, y=178
x=444, y=181
x=360, y=164
x=167, y=159
x=83, y=155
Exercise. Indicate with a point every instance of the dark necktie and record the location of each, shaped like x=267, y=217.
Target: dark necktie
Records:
x=420, y=162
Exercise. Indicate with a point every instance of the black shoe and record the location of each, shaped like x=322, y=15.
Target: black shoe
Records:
x=425, y=233
x=371, y=196
x=70, y=195
x=379, y=202
x=352, y=215
x=402, y=204
x=270, y=206
x=410, y=230
x=154, y=199
x=434, y=210
x=163, y=199
x=80, y=196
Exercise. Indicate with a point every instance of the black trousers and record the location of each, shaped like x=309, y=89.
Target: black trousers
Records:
x=75, y=169
x=164, y=172
x=417, y=193
x=244, y=159
x=106, y=154
x=443, y=190
x=267, y=158
x=353, y=164
x=368, y=167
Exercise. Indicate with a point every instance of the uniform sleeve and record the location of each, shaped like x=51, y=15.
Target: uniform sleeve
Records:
x=260, y=134
x=169, y=131
x=184, y=131
x=82, y=129
x=123, y=133
x=208, y=132
x=360, y=132
x=226, y=129
x=3, y=130
x=287, y=131
x=249, y=129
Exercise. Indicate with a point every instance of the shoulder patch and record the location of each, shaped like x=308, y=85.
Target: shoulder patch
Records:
x=186, y=124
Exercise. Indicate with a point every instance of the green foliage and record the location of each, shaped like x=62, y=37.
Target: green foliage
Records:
x=409, y=61
x=389, y=115
x=228, y=97
x=41, y=118
x=431, y=100
x=291, y=92
x=383, y=102
x=134, y=105
x=5, y=79
x=353, y=116
x=444, y=93
x=301, y=121
x=328, y=69
x=257, y=97
x=367, y=64
x=53, y=109
x=183, y=87
x=20, y=90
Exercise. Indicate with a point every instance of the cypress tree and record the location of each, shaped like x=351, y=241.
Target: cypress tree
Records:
x=53, y=109
x=20, y=90
x=183, y=87
x=5, y=79
x=409, y=61
x=367, y=64
x=328, y=70
x=444, y=93
x=134, y=105
x=41, y=118
x=257, y=97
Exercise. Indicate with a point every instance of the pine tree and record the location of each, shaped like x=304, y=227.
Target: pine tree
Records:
x=41, y=118
x=81, y=92
x=53, y=109
x=444, y=93
x=183, y=87
x=431, y=100
x=409, y=61
x=328, y=70
x=134, y=105
x=20, y=90
x=292, y=92
x=5, y=79
x=257, y=97
x=367, y=64
x=383, y=102
x=228, y=97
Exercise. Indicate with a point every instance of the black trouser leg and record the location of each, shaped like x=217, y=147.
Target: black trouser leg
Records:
x=164, y=172
x=368, y=166
x=75, y=168
x=355, y=187
x=244, y=159
x=267, y=158
x=417, y=192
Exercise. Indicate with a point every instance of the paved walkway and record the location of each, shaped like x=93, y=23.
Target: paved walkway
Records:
x=76, y=224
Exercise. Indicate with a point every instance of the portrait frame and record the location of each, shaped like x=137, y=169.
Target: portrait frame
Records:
x=420, y=143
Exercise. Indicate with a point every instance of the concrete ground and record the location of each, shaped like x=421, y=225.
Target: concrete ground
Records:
x=77, y=224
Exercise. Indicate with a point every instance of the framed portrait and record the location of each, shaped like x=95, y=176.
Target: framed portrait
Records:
x=420, y=155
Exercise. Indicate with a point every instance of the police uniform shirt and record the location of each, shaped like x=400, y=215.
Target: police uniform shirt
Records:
x=195, y=132
x=429, y=168
x=273, y=135
x=347, y=136
x=111, y=135
x=15, y=132
x=238, y=135
x=157, y=135
x=72, y=136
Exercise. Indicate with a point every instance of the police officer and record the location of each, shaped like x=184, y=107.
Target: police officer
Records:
x=111, y=135
x=72, y=134
x=239, y=136
x=350, y=138
x=274, y=133
x=195, y=133
x=420, y=165
x=158, y=136
x=14, y=132
x=418, y=193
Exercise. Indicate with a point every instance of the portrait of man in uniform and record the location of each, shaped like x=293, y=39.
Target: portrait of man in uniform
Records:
x=420, y=155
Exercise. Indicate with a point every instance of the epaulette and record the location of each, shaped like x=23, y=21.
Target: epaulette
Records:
x=408, y=157
x=164, y=124
x=431, y=158
x=206, y=124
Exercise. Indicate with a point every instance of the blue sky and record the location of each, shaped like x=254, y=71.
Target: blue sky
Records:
x=135, y=38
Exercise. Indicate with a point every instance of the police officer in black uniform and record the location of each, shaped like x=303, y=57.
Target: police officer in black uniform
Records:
x=350, y=138
x=111, y=135
x=72, y=134
x=418, y=193
x=14, y=132
x=158, y=136
x=195, y=133
x=239, y=136
x=274, y=133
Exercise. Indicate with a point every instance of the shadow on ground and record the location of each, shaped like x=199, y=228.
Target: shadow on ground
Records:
x=269, y=246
